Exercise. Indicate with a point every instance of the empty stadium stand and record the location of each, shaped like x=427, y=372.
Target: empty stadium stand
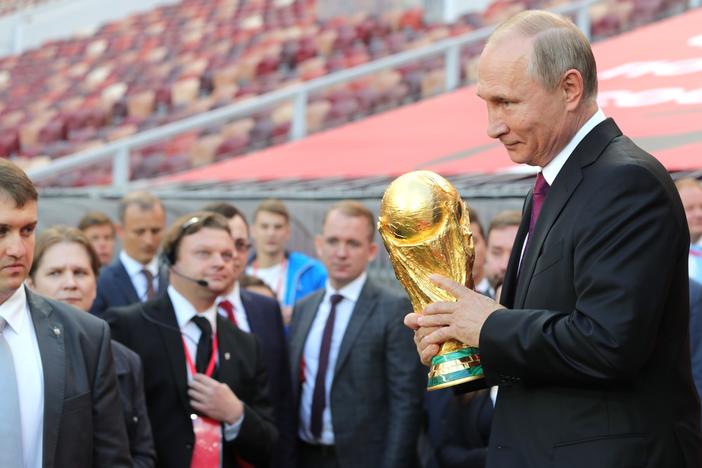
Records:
x=180, y=60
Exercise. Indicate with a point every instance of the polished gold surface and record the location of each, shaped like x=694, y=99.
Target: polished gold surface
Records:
x=426, y=229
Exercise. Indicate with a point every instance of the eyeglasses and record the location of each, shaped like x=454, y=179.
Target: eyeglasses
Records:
x=241, y=245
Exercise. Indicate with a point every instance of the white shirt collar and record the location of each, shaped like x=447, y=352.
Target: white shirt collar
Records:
x=13, y=310
x=185, y=311
x=134, y=268
x=351, y=291
x=234, y=296
x=552, y=169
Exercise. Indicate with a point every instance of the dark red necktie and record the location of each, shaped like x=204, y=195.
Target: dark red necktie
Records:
x=150, y=292
x=319, y=393
x=537, y=201
x=229, y=309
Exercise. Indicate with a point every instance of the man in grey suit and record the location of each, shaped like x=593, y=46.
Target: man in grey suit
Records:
x=357, y=382
x=60, y=404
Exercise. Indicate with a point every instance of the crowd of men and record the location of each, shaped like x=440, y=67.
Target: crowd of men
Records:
x=322, y=366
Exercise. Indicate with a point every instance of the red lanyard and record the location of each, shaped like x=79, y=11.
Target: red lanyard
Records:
x=213, y=358
x=283, y=272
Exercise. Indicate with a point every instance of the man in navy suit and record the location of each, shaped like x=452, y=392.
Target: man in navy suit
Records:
x=261, y=316
x=135, y=276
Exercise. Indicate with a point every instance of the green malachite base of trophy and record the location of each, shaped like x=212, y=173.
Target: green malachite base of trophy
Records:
x=457, y=368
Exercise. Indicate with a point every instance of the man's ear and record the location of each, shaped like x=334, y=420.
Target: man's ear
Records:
x=318, y=245
x=372, y=252
x=573, y=88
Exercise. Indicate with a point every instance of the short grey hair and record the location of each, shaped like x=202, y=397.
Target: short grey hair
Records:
x=144, y=200
x=558, y=46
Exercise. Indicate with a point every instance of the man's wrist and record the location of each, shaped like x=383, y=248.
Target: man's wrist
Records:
x=236, y=413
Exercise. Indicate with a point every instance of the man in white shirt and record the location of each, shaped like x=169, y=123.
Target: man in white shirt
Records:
x=60, y=404
x=204, y=379
x=135, y=276
x=360, y=383
x=291, y=275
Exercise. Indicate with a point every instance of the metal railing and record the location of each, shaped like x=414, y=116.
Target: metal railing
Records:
x=119, y=150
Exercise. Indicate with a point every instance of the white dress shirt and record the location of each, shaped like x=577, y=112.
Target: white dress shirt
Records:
x=275, y=277
x=134, y=270
x=185, y=312
x=313, y=345
x=239, y=311
x=21, y=337
x=551, y=170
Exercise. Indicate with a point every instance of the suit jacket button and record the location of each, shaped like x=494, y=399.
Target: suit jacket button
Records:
x=189, y=446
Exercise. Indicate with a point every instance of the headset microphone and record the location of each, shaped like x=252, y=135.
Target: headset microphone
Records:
x=199, y=282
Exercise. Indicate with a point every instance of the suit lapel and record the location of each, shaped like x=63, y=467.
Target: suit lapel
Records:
x=49, y=335
x=510, y=284
x=567, y=180
x=226, y=371
x=124, y=282
x=363, y=308
x=558, y=195
x=304, y=316
x=256, y=322
x=161, y=311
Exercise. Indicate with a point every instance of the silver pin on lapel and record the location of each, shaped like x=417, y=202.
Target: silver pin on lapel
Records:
x=226, y=356
x=57, y=331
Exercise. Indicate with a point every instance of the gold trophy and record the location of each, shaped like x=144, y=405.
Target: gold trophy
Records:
x=426, y=229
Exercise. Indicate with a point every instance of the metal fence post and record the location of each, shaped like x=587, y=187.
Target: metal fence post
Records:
x=298, y=129
x=120, y=167
x=582, y=19
x=452, y=66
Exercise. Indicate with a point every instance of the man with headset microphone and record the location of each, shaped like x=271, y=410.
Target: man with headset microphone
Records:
x=206, y=387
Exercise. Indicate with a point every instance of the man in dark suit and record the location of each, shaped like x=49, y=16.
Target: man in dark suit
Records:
x=135, y=276
x=590, y=344
x=60, y=403
x=261, y=316
x=188, y=385
x=357, y=382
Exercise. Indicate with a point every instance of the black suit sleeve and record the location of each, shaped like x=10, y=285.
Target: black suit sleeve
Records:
x=404, y=384
x=258, y=434
x=618, y=279
x=109, y=433
x=100, y=303
x=287, y=422
x=141, y=444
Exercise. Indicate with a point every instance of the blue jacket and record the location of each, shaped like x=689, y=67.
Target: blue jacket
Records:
x=305, y=275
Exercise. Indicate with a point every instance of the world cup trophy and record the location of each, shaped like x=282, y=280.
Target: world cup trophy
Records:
x=425, y=227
